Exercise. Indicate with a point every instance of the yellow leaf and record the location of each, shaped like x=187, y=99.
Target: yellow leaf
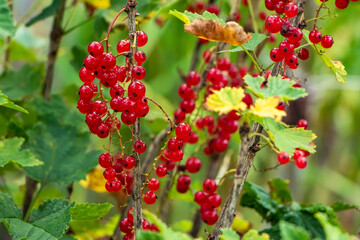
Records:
x=225, y=100
x=240, y=225
x=267, y=108
x=180, y=16
x=94, y=181
x=98, y=3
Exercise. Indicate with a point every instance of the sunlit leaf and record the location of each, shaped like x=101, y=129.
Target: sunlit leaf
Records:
x=228, y=234
x=333, y=232
x=254, y=235
x=225, y=100
x=290, y=231
x=275, y=86
x=267, y=108
x=89, y=211
x=336, y=66
x=10, y=151
x=5, y=102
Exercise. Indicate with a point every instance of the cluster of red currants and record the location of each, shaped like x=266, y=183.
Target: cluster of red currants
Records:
x=274, y=24
x=299, y=155
x=209, y=201
x=127, y=226
x=171, y=155
x=101, y=118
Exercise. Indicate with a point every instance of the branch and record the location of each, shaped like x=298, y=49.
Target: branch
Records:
x=29, y=194
x=248, y=150
x=136, y=191
x=55, y=39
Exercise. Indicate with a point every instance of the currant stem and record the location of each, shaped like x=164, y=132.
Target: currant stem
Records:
x=110, y=27
x=252, y=58
x=172, y=124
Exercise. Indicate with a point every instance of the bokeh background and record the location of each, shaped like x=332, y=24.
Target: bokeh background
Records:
x=331, y=109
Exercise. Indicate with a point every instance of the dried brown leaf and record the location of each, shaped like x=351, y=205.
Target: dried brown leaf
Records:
x=231, y=33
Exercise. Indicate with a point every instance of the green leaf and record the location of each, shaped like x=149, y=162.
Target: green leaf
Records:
x=20, y=52
x=27, y=81
x=290, y=231
x=89, y=211
x=78, y=54
x=228, y=234
x=288, y=139
x=279, y=190
x=148, y=235
x=52, y=216
x=252, y=234
x=166, y=233
x=182, y=226
x=8, y=207
x=257, y=38
x=5, y=102
x=20, y=230
x=45, y=13
x=336, y=66
x=62, y=148
x=341, y=206
x=315, y=208
x=10, y=151
x=332, y=232
x=276, y=86
x=188, y=17
x=257, y=198
x=6, y=20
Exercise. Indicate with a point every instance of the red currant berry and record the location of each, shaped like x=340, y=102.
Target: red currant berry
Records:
x=193, y=165
x=296, y=35
x=303, y=54
x=91, y=62
x=142, y=38
x=315, y=36
x=276, y=55
x=327, y=41
x=105, y=160
x=107, y=61
x=301, y=162
x=140, y=146
x=100, y=108
x=103, y=131
x=210, y=217
x=280, y=7
x=136, y=90
x=283, y=158
x=116, y=91
x=85, y=106
x=175, y=143
x=302, y=123
x=291, y=61
x=223, y=64
x=86, y=75
x=138, y=72
x=109, y=174
x=128, y=118
x=140, y=57
x=93, y=120
x=185, y=92
x=183, y=131
x=183, y=183
x=130, y=214
x=213, y=8
x=297, y=154
x=128, y=162
x=341, y=4
x=149, y=198
x=209, y=185
x=179, y=116
x=153, y=184
x=123, y=46
x=193, y=78
x=161, y=170
x=187, y=106
x=193, y=138
x=126, y=226
x=207, y=56
x=214, y=200
x=200, y=197
x=291, y=10
x=113, y=186
x=95, y=49
x=273, y=23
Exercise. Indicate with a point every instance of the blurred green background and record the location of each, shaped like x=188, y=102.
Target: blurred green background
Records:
x=332, y=109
